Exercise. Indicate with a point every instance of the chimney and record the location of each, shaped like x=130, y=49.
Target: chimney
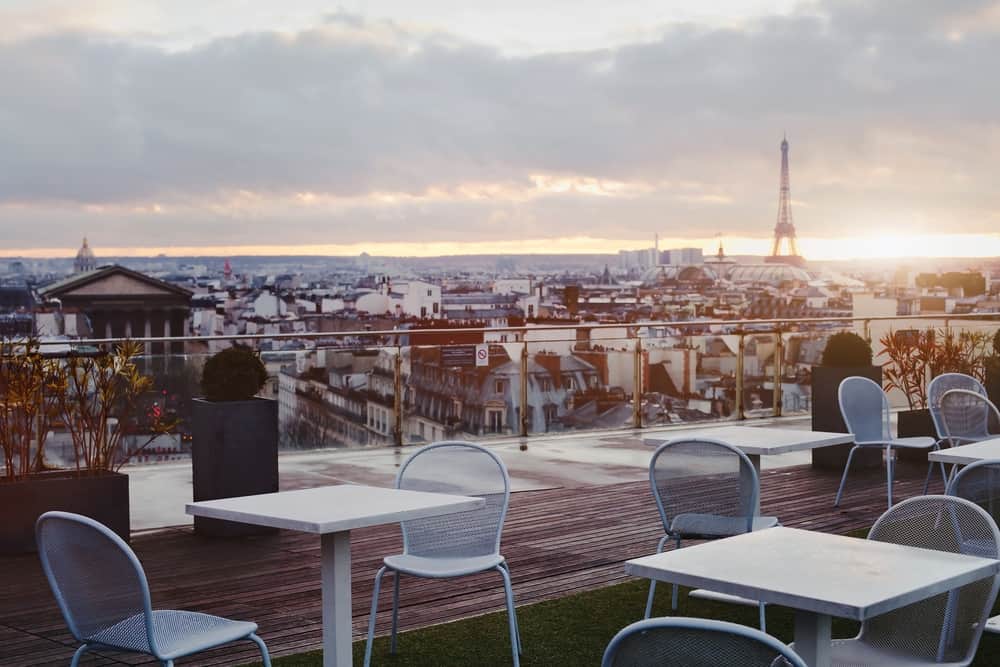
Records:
x=553, y=364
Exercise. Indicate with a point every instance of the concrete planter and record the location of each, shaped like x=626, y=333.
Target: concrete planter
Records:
x=911, y=424
x=103, y=497
x=826, y=417
x=234, y=452
x=993, y=382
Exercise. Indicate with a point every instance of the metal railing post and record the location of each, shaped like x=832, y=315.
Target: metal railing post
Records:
x=740, y=413
x=637, y=366
x=868, y=331
x=524, y=390
x=779, y=358
x=397, y=395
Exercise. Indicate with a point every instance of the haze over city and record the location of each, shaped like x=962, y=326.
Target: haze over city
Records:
x=392, y=129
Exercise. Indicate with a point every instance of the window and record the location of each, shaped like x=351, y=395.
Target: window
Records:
x=430, y=293
x=546, y=384
x=494, y=419
x=435, y=307
x=551, y=412
x=498, y=386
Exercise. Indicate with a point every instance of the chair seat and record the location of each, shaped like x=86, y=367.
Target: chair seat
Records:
x=916, y=442
x=177, y=633
x=712, y=525
x=423, y=566
x=856, y=653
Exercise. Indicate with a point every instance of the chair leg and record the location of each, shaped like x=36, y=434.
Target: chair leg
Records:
x=395, y=612
x=843, y=478
x=517, y=626
x=79, y=654
x=888, y=472
x=511, y=616
x=930, y=469
x=264, y=655
x=371, y=617
x=652, y=582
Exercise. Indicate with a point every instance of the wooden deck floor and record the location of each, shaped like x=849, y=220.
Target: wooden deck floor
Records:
x=558, y=542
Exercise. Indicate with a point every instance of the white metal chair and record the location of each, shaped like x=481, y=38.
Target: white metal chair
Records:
x=102, y=592
x=936, y=390
x=704, y=489
x=696, y=642
x=966, y=417
x=457, y=544
x=979, y=483
x=947, y=627
x=865, y=409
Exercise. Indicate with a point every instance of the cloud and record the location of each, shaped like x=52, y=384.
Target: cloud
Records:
x=369, y=130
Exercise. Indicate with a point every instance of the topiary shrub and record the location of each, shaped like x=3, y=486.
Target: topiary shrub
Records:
x=234, y=374
x=847, y=350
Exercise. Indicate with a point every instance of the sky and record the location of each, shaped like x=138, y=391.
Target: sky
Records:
x=436, y=127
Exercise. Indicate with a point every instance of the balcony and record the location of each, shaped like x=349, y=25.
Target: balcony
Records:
x=551, y=539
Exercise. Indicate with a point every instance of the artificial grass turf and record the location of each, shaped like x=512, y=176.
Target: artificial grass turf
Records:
x=572, y=631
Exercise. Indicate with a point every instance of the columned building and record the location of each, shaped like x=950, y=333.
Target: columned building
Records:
x=117, y=302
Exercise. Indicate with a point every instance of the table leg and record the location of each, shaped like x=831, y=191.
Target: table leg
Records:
x=812, y=638
x=755, y=460
x=335, y=555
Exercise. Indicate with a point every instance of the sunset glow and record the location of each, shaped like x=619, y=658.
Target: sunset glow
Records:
x=890, y=246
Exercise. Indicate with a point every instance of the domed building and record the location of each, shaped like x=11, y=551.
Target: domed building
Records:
x=769, y=274
x=665, y=274
x=85, y=260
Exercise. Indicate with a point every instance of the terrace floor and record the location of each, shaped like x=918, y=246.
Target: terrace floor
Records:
x=559, y=541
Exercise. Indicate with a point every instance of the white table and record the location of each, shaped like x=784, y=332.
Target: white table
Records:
x=331, y=512
x=755, y=441
x=963, y=455
x=817, y=574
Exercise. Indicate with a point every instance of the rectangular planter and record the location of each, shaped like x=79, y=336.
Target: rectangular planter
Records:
x=103, y=497
x=826, y=416
x=911, y=424
x=993, y=383
x=234, y=452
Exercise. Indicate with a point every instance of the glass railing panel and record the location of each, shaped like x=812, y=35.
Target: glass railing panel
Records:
x=580, y=379
x=689, y=375
x=462, y=391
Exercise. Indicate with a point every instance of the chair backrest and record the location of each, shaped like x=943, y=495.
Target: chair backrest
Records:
x=966, y=416
x=696, y=642
x=865, y=409
x=96, y=578
x=944, y=383
x=703, y=476
x=979, y=482
x=946, y=627
x=459, y=468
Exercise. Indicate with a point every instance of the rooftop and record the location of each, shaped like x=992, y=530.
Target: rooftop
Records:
x=551, y=540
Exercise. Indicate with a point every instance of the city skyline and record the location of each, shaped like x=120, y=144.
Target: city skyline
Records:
x=156, y=128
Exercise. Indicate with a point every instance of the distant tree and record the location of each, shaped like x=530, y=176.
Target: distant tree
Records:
x=973, y=283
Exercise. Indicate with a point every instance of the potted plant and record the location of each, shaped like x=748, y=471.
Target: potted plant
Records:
x=234, y=451
x=97, y=399
x=916, y=357
x=846, y=354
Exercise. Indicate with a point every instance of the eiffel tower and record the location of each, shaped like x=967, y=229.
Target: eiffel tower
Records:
x=784, y=228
